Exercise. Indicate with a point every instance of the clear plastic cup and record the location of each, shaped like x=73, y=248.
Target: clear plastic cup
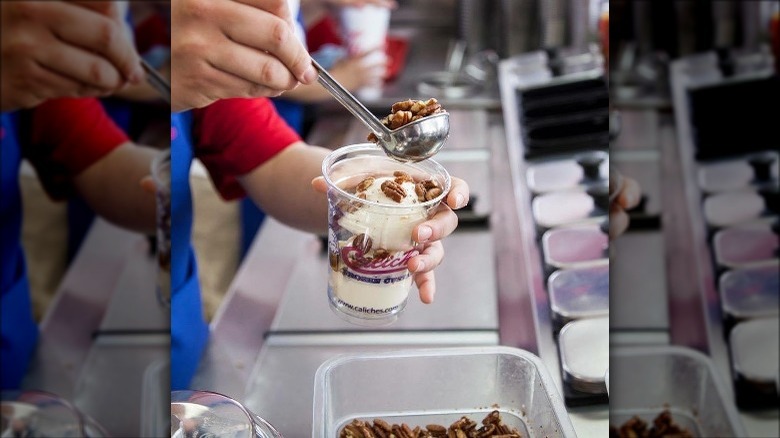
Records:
x=161, y=174
x=210, y=414
x=370, y=243
x=33, y=413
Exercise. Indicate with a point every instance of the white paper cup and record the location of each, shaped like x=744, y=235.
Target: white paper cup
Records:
x=364, y=30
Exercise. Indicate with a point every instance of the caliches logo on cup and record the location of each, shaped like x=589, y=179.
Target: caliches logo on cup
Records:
x=361, y=263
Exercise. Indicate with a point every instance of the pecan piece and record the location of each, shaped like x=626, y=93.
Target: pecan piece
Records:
x=400, y=118
x=432, y=193
x=367, y=432
x=362, y=242
x=393, y=190
x=436, y=430
x=372, y=138
x=430, y=110
x=381, y=253
x=417, y=107
x=378, y=432
x=333, y=257
x=492, y=418
x=384, y=425
x=420, y=190
x=352, y=430
x=430, y=183
x=365, y=184
x=431, y=101
x=404, y=105
x=402, y=177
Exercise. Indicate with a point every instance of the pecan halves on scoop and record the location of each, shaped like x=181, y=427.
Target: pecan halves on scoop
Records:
x=404, y=105
x=400, y=118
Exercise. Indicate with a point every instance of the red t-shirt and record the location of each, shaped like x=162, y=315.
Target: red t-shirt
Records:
x=234, y=136
x=66, y=136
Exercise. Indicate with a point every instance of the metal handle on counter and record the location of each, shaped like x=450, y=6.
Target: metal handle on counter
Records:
x=158, y=82
x=349, y=101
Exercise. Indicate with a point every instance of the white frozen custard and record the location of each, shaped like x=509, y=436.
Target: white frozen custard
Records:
x=371, y=276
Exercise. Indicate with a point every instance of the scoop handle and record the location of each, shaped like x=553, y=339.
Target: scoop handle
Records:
x=349, y=102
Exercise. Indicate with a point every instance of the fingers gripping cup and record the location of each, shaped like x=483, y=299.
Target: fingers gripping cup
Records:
x=161, y=174
x=375, y=203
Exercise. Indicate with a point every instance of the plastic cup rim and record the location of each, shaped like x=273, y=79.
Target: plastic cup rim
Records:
x=372, y=147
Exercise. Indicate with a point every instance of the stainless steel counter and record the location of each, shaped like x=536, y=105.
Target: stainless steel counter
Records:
x=275, y=326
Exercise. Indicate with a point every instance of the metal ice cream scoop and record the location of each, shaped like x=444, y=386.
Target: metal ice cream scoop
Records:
x=415, y=141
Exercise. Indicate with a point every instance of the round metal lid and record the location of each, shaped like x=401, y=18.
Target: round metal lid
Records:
x=584, y=351
x=754, y=350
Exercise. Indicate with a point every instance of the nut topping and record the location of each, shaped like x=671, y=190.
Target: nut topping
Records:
x=432, y=193
x=463, y=428
x=407, y=111
x=393, y=190
x=427, y=190
x=400, y=118
x=362, y=242
x=365, y=184
x=402, y=177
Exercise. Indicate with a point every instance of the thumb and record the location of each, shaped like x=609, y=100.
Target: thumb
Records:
x=148, y=185
x=319, y=184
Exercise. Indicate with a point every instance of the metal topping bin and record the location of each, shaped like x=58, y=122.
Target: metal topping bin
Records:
x=425, y=386
x=646, y=380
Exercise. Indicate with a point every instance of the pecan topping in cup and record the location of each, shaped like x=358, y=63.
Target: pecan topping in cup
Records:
x=393, y=190
x=407, y=111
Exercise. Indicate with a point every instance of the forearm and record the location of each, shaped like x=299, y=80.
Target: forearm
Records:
x=282, y=188
x=112, y=187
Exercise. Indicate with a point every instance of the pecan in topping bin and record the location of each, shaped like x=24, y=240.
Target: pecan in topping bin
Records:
x=393, y=190
x=493, y=426
x=400, y=118
x=365, y=184
x=402, y=177
x=363, y=242
x=407, y=111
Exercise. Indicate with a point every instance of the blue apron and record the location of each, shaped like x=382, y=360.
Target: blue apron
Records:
x=189, y=331
x=18, y=330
